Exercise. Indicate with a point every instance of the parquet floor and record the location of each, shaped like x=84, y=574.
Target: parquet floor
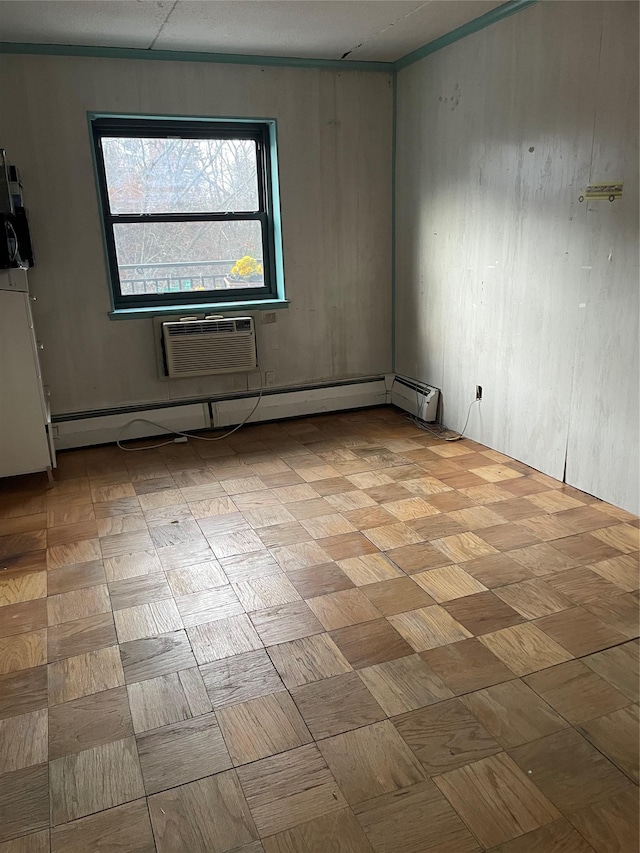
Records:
x=330, y=635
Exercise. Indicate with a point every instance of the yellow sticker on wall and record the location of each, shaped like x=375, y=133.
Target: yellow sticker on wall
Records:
x=601, y=192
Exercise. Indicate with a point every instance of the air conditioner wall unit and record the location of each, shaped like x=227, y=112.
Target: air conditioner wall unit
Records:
x=194, y=347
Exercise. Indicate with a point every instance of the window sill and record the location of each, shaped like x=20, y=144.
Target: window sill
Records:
x=209, y=308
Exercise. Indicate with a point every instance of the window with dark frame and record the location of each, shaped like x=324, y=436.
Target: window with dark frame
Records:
x=187, y=208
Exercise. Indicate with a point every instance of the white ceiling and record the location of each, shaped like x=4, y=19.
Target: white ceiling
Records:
x=382, y=30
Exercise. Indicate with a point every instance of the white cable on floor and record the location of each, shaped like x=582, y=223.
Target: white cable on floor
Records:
x=183, y=434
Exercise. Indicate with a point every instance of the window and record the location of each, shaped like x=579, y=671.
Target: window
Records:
x=188, y=210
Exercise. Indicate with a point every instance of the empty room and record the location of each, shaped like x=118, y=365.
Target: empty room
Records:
x=319, y=426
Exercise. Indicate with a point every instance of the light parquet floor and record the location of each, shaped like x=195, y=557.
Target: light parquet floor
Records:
x=329, y=635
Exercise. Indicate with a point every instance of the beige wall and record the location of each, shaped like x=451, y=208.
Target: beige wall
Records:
x=503, y=278
x=334, y=133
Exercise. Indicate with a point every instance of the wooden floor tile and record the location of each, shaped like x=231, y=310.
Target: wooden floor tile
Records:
x=496, y=570
x=346, y=546
x=464, y=546
x=309, y=508
x=553, y=501
x=320, y=580
x=476, y=517
x=582, y=585
x=278, y=535
x=585, y=548
x=370, y=761
x=147, y=620
x=75, y=552
x=150, y=658
x=65, y=534
x=81, y=636
x=467, y=666
x=22, y=651
x=78, y=604
x=262, y=727
x=496, y=800
x=23, y=618
x=622, y=571
x=620, y=667
x=132, y=565
x=22, y=543
x=370, y=568
x=395, y=822
x=570, y=771
x=24, y=801
x=300, y=556
x=534, y=598
x=616, y=736
x=513, y=714
x=93, y=780
x=23, y=691
x=265, y=592
x=25, y=587
x=181, y=753
x=157, y=702
x=448, y=583
x=125, y=827
x=620, y=612
x=542, y=559
x=184, y=554
x=548, y=528
x=576, y=692
x=392, y=536
x=267, y=516
x=23, y=741
x=370, y=642
x=525, y=648
x=429, y=627
x=207, y=606
x=196, y=578
x=76, y=577
x=207, y=815
x=238, y=679
x=404, y=684
x=610, y=825
x=482, y=613
x=396, y=596
x=246, y=566
x=623, y=537
x=285, y=622
x=445, y=735
x=579, y=631
x=115, y=524
x=308, y=659
x=336, y=705
x=287, y=790
x=134, y=592
x=84, y=674
x=339, y=609
x=338, y=832
x=558, y=836
x=223, y=638
x=89, y=721
x=38, y=842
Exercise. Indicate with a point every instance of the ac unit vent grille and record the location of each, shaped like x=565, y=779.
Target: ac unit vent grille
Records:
x=204, y=347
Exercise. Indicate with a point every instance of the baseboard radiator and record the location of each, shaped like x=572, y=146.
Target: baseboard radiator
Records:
x=84, y=429
x=415, y=397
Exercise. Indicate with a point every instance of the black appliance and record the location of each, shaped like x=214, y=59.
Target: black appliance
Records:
x=15, y=240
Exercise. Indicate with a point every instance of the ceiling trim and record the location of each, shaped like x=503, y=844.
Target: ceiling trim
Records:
x=191, y=56
x=473, y=26
x=490, y=17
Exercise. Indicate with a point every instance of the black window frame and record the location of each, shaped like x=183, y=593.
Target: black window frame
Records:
x=160, y=128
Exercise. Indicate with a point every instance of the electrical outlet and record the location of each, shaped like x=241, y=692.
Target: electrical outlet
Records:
x=269, y=378
x=478, y=392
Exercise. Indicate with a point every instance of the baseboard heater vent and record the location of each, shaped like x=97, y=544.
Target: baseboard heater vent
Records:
x=415, y=397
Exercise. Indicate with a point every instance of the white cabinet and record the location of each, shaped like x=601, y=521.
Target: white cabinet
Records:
x=25, y=421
